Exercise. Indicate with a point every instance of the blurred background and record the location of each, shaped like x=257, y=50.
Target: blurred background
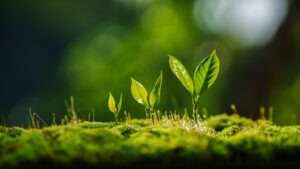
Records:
x=51, y=50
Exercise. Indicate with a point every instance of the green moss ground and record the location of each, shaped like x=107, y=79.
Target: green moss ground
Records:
x=221, y=139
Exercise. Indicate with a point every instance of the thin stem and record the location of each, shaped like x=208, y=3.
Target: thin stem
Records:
x=53, y=120
x=116, y=119
x=32, y=119
x=152, y=115
x=146, y=112
x=195, y=108
x=93, y=113
x=45, y=124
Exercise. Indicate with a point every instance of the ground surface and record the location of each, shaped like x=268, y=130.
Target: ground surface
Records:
x=219, y=141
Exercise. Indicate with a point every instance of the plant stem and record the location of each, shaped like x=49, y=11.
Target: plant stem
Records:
x=195, y=108
x=31, y=119
x=146, y=112
x=152, y=115
x=116, y=119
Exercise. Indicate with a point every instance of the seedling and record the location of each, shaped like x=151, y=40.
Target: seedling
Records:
x=140, y=94
x=205, y=75
x=112, y=106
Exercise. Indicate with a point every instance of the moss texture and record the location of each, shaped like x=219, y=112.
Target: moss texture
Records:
x=221, y=138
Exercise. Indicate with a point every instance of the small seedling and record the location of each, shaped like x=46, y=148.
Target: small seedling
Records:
x=205, y=75
x=140, y=94
x=112, y=106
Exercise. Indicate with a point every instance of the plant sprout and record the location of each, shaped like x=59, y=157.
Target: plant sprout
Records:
x=112, y=106
x=205, y=75
x=140, y=94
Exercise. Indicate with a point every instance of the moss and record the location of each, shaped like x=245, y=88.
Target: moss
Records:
x=126, y=130
x=12, y=131
x=91, y=125
x=224, y=138
x=223, y=121
x=230, y=131
x=140, y=122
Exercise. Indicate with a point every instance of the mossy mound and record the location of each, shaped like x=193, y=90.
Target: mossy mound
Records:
x=219, y=140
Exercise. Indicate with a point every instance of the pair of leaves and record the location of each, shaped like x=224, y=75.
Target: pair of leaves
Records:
x=204, y=75
x=140, y=94
x=112, y=104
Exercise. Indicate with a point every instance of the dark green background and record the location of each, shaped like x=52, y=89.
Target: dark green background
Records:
x=51, y=50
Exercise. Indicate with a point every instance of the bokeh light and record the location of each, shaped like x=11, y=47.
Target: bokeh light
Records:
x=245, y=23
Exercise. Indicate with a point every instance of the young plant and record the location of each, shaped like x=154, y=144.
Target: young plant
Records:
x=112, y=106
x=140, y=94
x=205, y=75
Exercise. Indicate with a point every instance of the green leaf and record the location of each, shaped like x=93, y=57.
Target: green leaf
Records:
x=181, y=73
x=139, y=93
x=120, y=103
x=206, y=73
x=112, y=104
x=154, y=98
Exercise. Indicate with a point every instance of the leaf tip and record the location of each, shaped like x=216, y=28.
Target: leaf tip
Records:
x=170, y=56
x=214, y=53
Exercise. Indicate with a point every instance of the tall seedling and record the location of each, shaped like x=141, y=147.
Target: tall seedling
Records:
x=115, y=109
x=205, y=75
x=140, y=94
